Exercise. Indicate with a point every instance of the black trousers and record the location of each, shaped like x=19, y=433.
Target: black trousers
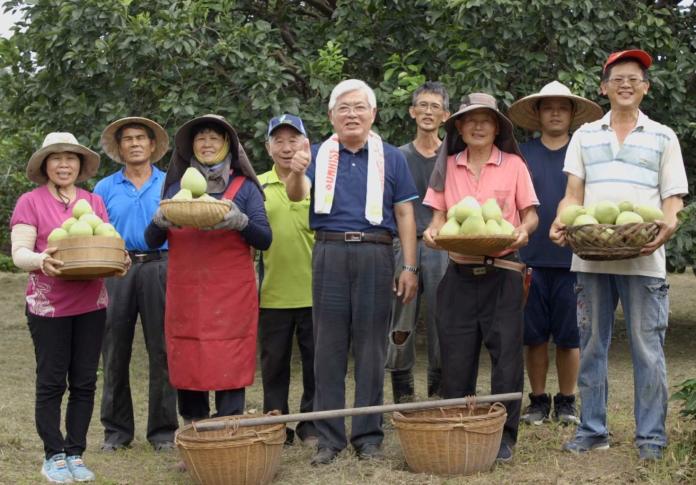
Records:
x=352, y=297
x=141, y=291
x=66, y=349
x=482, y=308
x=277, y=328
x=194, y=405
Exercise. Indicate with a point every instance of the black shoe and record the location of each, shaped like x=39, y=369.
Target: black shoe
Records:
x=564, y=410
x=111, y=447
x=323, y=456
x=504, y=453
x=538, y=410
x=402, y=386
x=370, y=451
x=163, y=446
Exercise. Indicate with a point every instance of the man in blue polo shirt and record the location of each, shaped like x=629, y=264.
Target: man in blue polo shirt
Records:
x=132, y=197
x=550, y=309
x=361, y=192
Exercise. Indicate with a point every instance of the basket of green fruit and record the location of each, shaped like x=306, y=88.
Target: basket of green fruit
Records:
x=475, y=229
x=191, y=206
x=88, y=247
x=607, y=231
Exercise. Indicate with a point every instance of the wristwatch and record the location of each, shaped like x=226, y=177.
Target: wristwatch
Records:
x=408, y=267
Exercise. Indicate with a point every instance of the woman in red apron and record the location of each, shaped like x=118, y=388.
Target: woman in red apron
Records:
x=211, y=311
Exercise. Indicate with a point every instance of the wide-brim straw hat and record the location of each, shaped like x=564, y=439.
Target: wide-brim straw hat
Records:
x=109, y=143
x=58, y=142
x=524, y=112
x=184, y=139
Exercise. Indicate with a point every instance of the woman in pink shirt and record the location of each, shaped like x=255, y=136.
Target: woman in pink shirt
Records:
x=66, y=318
x=480, y=299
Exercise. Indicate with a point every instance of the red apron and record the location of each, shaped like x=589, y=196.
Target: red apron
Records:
x=211, y=312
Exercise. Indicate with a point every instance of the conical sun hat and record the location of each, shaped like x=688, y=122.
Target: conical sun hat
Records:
x=109, y=143
x=57, y=142
x=524, y=111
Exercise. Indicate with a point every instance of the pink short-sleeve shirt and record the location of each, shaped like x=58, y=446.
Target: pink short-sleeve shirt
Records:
x=504, y=177
x=53, y=297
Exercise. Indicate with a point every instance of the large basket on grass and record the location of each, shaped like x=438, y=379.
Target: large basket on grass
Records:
x=605, y=242
x=451, y=441
x=89, y=257
x=193, y=212
x=234, y=455
x=475, y=245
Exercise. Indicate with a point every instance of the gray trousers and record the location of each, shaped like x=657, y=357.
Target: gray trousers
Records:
x=432, y=264
x=352, y=293
x=486, y=308
x=141, y=291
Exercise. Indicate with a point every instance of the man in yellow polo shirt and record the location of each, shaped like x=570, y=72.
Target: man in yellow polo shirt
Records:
x=286, y=284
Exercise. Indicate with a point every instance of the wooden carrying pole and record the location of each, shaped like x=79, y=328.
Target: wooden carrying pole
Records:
x=340, y=413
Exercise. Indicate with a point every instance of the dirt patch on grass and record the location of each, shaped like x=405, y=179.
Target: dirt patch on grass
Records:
x=538, y=458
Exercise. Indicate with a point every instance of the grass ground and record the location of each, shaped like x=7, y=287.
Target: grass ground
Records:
x=538, y=458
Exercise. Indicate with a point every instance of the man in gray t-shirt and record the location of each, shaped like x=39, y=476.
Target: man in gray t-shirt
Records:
x=429, y=109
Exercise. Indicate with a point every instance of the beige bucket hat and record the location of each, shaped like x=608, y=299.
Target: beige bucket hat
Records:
x=57, y=142
x=110, y=145
x=523, y=112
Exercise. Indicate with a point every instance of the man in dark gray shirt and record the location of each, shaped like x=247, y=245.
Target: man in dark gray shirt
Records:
x=429, y=109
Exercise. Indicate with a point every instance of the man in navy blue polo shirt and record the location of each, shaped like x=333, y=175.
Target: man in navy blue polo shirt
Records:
x=361, y=192
x=132, y=196
x=551, y=305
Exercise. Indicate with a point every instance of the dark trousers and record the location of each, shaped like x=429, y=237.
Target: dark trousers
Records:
x=352, y=292
x=66, y=348
x=194, y=405
x=277, y=328
x=141, y=291
x=487, y=308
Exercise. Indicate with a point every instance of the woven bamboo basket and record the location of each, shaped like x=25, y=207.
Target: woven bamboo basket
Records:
x=194, y=213
x=451, y=441
x=234, y=455
x=606, y=242
x=90, y=257
x=475, y=245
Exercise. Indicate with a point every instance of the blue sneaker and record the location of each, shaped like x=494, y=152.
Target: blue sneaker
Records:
x=583, y=444
x=80, y=473
x=650, y=452
x=55, y=469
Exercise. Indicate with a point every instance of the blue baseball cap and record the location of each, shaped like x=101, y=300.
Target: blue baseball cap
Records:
x=286, y=120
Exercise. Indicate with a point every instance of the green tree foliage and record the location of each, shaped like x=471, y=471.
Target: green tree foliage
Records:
x=76, y=65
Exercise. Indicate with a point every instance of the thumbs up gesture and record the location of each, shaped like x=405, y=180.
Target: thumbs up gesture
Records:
x=301, y=158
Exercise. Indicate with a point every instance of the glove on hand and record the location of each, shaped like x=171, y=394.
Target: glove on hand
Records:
x=160, y=221
x=234, y=220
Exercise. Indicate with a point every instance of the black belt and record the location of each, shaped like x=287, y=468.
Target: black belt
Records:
x=354, y=237
x=144, y=257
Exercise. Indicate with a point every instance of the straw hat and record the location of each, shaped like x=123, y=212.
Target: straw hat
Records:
x=110, y=145
x=57, y=142
x=524, y=112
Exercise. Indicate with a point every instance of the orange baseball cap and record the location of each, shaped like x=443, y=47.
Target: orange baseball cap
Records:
x=636, y=54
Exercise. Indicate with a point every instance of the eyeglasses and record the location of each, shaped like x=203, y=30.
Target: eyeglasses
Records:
x=633, y=81
x=423, y=107
x=346, y=109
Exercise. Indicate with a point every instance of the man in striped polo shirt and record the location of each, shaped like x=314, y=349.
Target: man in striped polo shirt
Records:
x=624, y=156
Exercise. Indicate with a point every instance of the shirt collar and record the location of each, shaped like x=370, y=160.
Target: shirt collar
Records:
x=640, y=123
x=496, y=158
x=273, y=176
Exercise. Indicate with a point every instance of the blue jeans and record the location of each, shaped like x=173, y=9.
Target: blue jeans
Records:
x=645, y=303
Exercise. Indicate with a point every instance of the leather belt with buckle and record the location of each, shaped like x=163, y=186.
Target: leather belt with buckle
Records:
x=354, y=237
x=487, y=262
x=144, y=257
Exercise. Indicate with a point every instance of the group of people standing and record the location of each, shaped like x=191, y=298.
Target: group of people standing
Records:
x=346, y=233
